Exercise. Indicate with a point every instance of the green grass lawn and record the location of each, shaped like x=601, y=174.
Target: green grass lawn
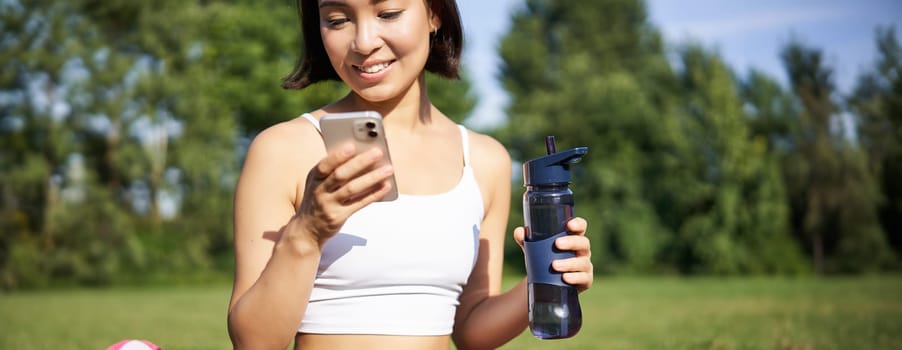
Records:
x=618, y=313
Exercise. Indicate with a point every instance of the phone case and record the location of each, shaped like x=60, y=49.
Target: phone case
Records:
x=365, y=130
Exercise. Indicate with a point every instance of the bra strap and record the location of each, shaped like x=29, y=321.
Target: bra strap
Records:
x=313, y=121
x=464, y=139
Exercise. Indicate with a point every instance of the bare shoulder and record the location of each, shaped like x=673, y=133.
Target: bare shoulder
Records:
x=489, y=157
x=287, y=143
x=282, y=155
x=491, y=165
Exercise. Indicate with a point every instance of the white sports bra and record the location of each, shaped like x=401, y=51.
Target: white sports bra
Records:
x=398, y=268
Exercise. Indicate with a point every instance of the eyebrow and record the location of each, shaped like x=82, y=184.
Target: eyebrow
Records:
x=334, y=3
x=330, y=3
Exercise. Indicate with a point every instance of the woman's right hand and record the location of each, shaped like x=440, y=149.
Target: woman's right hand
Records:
x=340, y=184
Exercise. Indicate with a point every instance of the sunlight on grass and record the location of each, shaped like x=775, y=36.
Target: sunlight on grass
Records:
x=736, y=313
x=618, y=313
x=174, y=318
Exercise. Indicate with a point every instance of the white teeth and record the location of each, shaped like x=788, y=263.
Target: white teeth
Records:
x=374, y=68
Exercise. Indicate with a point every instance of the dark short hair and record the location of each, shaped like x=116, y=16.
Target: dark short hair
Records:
x=313, y=66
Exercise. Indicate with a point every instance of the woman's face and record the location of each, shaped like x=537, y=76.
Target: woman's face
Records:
x=377, y=47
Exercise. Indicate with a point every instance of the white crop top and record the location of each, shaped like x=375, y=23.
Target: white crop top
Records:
x=398, y=268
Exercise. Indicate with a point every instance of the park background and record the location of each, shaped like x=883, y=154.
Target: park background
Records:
x=768, y=201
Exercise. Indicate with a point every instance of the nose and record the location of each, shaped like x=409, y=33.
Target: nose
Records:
x=367, y=38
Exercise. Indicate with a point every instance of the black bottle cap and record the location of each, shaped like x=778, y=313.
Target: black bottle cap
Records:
x=553, y=168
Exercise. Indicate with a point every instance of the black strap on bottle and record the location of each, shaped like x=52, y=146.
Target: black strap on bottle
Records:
x=539, y=255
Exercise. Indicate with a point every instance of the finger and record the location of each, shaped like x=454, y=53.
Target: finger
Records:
x=372, y=194
x=327, y=165
x=519, y=235
x=578, y=272
x=581, y=280
x=352, y=168
x=577, y=264
x=364, y=185
x=578, y=244
x=577, y=225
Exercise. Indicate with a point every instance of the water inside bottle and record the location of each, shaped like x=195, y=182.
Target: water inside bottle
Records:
x=554, y=311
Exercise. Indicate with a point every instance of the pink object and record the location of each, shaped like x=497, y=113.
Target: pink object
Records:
x=133, y=345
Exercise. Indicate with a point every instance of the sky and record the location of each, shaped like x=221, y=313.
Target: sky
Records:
x=747, y=34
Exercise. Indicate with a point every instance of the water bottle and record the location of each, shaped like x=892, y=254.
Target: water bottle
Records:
x=554, y=311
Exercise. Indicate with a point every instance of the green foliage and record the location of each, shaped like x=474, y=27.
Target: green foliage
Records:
x=38, y=134
x=674, y=180
x=693, y=170
x=584, y=81
x=452, y=97
x=830, y=187
x=877, y=103
x=92, y=244
x=123, y=127
x=772, y=112
x=113, y=130
x=732, y=204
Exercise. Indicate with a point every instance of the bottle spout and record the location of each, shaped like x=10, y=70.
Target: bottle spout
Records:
x=567, y=157
x=554, y=167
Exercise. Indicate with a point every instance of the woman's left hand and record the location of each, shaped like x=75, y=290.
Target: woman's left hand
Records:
x=577, y=271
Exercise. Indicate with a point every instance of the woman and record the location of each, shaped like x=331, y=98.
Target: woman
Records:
x=320, y=262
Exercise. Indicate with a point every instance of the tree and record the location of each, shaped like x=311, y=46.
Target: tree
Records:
x=829, y=185
x=603, y=84
x=675, y=179
x=877, y=102
x=771, y=110
x=734, y=218
x=48, y=54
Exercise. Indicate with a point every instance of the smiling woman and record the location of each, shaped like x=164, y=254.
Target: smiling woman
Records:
x=354, y=45
x=321, y=260
x=444, y=54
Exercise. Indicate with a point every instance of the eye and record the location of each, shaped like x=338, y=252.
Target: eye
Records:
x=390, y=15
x=335, y=22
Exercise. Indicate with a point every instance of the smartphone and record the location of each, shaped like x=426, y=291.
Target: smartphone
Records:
x=364, y=129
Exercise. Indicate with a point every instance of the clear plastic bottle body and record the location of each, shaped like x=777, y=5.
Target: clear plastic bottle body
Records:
x=554, y=310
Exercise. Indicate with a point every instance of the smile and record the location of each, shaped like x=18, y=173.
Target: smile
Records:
x=375, y=68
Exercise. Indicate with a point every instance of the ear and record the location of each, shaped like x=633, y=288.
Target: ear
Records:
x=435, y=22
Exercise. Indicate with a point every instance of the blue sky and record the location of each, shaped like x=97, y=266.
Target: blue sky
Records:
x=746, y=33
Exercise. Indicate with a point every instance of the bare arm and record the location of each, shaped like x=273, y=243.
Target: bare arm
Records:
x=487, y=318
x=276, y=248
x=482, y=299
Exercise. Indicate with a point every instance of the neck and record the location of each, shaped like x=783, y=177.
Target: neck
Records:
x=406, y=110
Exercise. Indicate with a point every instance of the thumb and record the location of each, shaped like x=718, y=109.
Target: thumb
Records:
x=519, y=235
